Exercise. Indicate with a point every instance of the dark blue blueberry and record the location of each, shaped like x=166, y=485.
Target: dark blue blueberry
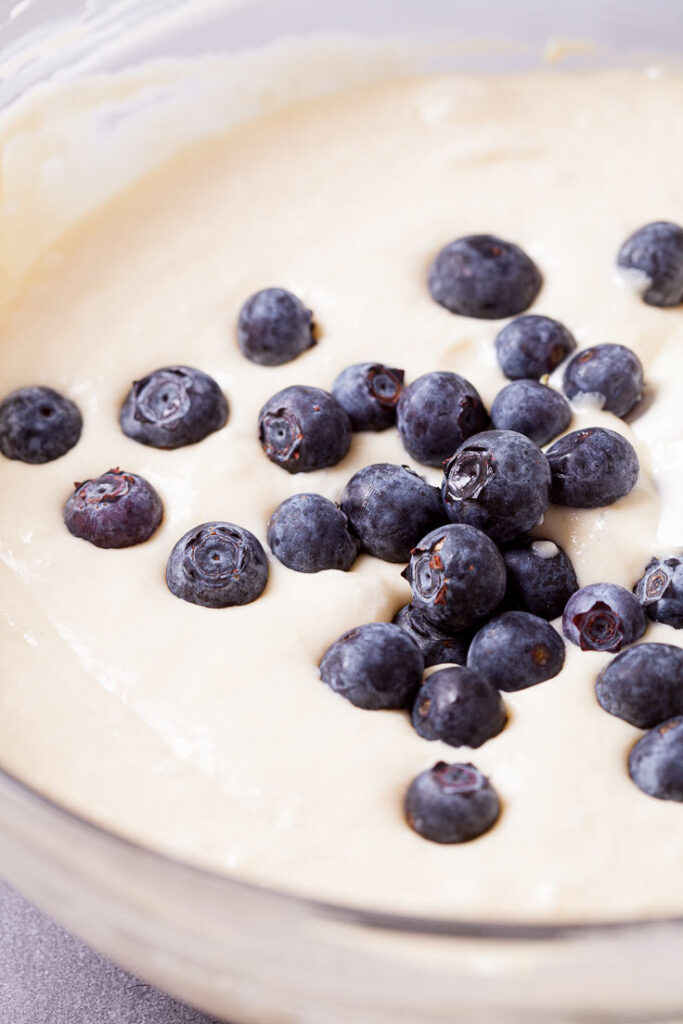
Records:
x=217, y=565
x=172, y=407
x=390, y=508
x=38, y=425
x=660, y=591
x=374, y=666
x=613, y=373
x=643, y=685
x=516, y=650
x=603, y=617
x=308, y=533
x=485, y=277
x=274, y=327
x=115, y=510
x=656, y=250
x=656, y=762
x=459, y=707
x=436, y=413
x=498, y=481
x=451, y=803
x=540, y=579
x=437, y=648
x=592, y=468
x=457, y=575
x=303, y=429
x=532, y=346
x=369, y=392
x=532, y=409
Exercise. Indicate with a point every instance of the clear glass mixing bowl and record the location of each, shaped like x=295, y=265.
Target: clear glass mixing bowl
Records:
x=246, y=953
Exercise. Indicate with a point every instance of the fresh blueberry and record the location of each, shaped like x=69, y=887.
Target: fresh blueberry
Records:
x=369, y=392
x=437, y=648
x=485, y=277
x=38, y=425
x=498, y=481
x=303, y=429
x=457, y=575
x=613, y=373
x=643, y=685
x=451, y=803
x=172, y=407
x=592, y=468
x=532, y=409
x=308, y=533
x=660, y=591
x=274, y=327
x=217, y=565
x=390, y=508
x=115, y=510
x=436, y=413
x=603, y=617
x=656, y=761
x=374, y=666
x=459, y=707
x=532, y=346
x=540, y=577
x=516, y=650
x=656, y=251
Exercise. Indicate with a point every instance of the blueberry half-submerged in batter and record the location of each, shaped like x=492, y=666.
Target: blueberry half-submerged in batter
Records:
x=115, y=510
x=173, y=407
x=484, y=276
x=217, y=565
x=303, y=429
x=603, y=617
x=655, y=251
x=656, y=762
x=369, y=392
x=451, y=803
x=38, y=425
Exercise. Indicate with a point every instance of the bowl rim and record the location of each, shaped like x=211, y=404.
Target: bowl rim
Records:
x=348, y=913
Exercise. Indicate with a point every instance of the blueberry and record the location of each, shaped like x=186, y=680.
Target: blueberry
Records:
x=217, y=565
x=436, y=413
x=531, y=409
x=38, y=425
x=274, y=327
x=172, y=407
x=374, y=666
x=603, y=617
x=484, y=276
x=540, y=577
x=303, y=429
x=660, y=591
x=308, y=533
x=498, y=481
x=451, y=803
x=656, y=250
x=390, y=508
x=656, y=761
x=437, y=648
x=643, y=685
x=369, y=392
x=459, y=707
x=457, y=575
x=532, y=346
x=591, y=468
x=611, y=372
x=516, y=650
x=115, y=510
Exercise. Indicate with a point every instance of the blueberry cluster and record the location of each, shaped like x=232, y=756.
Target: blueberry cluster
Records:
x=483, y=590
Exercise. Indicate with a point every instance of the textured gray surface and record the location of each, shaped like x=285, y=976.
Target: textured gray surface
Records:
x=48, y=977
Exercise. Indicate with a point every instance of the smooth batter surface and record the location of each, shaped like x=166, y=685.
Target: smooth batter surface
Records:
x=207, y=734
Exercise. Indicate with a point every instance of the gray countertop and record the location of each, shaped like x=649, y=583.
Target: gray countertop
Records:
x=49, y=977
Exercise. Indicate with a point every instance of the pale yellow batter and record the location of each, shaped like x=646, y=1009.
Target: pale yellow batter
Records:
x=207, y=734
